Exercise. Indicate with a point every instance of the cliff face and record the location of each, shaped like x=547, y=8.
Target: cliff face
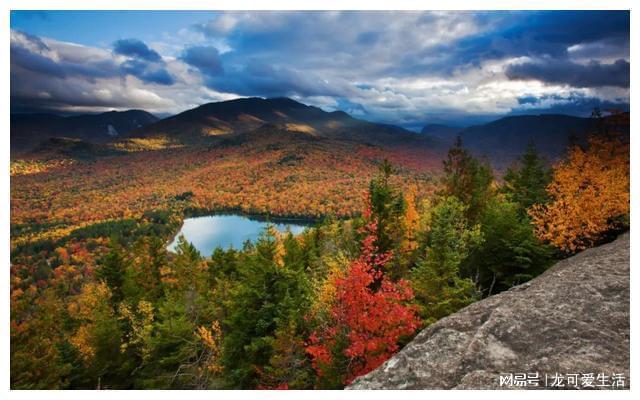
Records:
x=573, y=319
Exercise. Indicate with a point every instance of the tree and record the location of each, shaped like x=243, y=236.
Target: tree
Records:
x=98, y=335
x=177, y=354
x=369, y=317
x=436, y=281
x=36, y=360
x=510, y=253
x=467, y=179
x=268, y=294
x=589, y=196
x=526, y=184
x=112, y=270
x=388, y=207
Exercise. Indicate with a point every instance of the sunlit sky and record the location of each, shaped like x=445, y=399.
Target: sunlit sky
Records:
x=405, y=68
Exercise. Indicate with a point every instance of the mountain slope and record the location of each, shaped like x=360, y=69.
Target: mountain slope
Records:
x=573, y=319
x=28, y=131
x=509, y=136
x=444, y=133
x=205, y=123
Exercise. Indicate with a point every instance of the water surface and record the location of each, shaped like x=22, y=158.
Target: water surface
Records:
x=208, y=232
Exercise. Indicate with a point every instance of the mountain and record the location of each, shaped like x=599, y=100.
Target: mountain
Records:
x=444, y=133
x=209, y=122
x=508, y=137
x=28, y=131
x=525, y=329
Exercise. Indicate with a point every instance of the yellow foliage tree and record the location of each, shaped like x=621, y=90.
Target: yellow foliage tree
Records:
x=589, y=195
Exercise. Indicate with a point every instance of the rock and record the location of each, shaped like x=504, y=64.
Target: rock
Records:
x=573, y=319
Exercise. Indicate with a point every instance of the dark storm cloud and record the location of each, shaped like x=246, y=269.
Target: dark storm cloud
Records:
x=593, y=74
x=205, y=58
x=143, y=62
x=147, y=72
x=137, y=49
x=32, y=54
x=59, y=76
x=260, y=79
x=572, y=105
x=546, y=33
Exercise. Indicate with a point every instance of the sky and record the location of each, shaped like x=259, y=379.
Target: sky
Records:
x=403, y=68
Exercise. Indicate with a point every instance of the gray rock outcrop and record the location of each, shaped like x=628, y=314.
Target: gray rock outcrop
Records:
x=568, y=323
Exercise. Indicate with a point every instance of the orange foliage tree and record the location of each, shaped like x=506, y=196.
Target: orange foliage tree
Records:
x=589, y=195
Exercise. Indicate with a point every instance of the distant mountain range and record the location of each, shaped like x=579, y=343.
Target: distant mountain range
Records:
x=28, y=131
x=239, y=116
x=505, y=139
x=246, y=119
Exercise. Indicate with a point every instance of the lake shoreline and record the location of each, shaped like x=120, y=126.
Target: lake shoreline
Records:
x=243, y=218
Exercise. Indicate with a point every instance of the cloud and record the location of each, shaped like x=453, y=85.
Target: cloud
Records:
x=593, y=74
x=137, y=49
x=205, y=58
x=142, y=62
x=52, y=75
x=147, y=72
x=396, y=67
x=218, y=26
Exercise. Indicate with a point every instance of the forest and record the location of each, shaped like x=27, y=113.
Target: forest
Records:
x=97, y=302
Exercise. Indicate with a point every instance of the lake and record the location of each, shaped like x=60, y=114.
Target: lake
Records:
x=208, y=232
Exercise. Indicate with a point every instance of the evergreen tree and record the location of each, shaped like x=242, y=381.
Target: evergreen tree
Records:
x=388, y=207
x=510, y=253
x=266, y=296
x=112, y=270
x=467, y=179
x=436, y=281
x=526, y=184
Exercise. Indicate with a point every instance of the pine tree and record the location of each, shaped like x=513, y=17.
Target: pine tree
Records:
x=388, y=207
x=526, y=184
x=467, y=179
x=436, y=281
x=268, y=293
x=510, y=253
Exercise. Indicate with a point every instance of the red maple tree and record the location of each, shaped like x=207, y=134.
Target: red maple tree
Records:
x=370, y=311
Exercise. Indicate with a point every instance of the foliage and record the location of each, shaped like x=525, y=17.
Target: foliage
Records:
x=510, y=253
x=467, y=179
x=366, y=323
x=589, y=196
x=436, y=281
x=526, y=184
x=269, y=293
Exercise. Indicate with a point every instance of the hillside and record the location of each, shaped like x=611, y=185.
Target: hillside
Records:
x=507, y=138
x=210, y=121
x=28, y=131
x=573, y=319
x=444, y=133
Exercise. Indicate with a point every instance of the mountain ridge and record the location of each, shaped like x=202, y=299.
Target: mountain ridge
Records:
x=242, y=115
x=29, y=131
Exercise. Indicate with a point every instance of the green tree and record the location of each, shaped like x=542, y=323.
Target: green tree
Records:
x=526, y=183
x=510, y=253
x=388, y=207
x=268, y=294
x=112, y=269
x=467, y=179
x=175, y=352
x=438, y=287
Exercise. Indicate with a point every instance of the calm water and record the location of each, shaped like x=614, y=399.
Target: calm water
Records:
x=207, y=233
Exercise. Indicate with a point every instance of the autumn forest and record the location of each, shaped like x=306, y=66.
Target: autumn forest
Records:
x=98, y=302
x=296, y=200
